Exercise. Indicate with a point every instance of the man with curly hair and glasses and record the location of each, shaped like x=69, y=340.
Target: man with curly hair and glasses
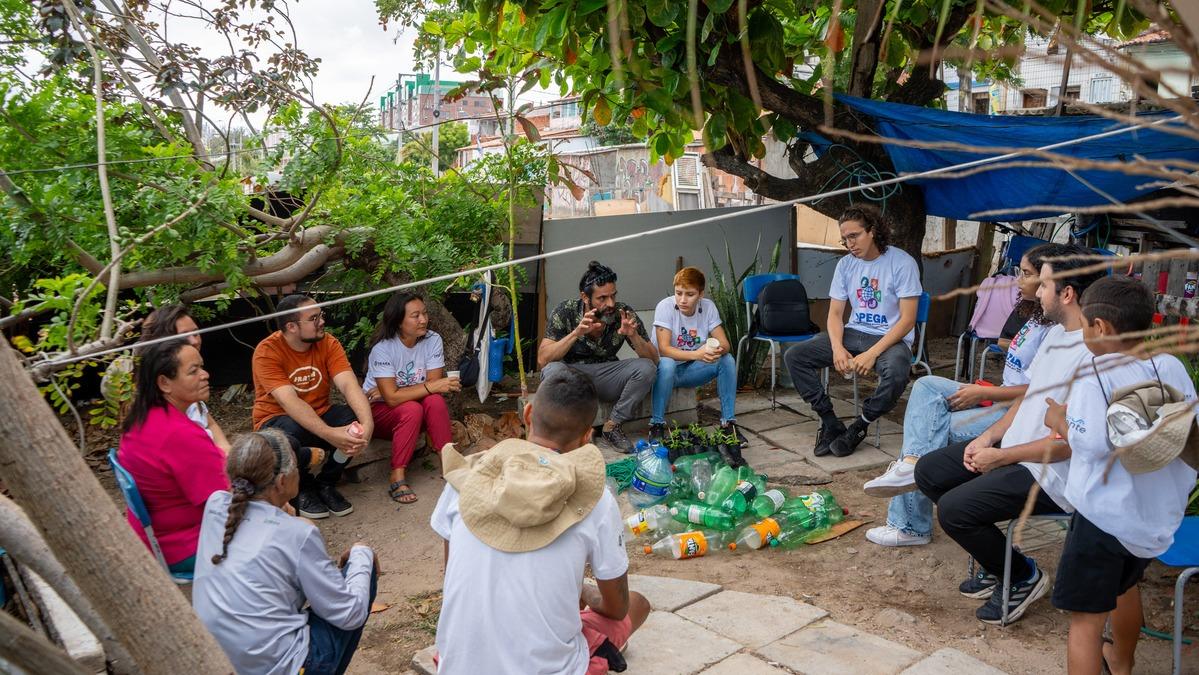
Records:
x=585, y=333
x=881, y=286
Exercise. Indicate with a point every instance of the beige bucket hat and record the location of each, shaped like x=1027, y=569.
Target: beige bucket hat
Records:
x=518, y=496
x=1151, y=425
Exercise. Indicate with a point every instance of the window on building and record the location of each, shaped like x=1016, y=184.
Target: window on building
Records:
x=1074, y=92
x=1101, y=89
x=1033, y=98
x=982, y=103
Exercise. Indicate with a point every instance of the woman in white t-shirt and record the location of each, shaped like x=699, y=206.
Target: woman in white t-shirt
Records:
x=693, y=350
x=941, y=411
x=405, y=380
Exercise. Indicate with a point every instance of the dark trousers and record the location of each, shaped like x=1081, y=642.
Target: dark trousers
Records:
x=302, y=440
x=806, y=359
x=330, y=648
x=969, y=504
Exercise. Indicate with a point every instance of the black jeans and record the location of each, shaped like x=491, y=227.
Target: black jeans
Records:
x=302, y=439
x=805, y=360
x=969, y=504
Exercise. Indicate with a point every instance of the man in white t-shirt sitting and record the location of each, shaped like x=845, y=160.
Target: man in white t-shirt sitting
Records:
x=984, y=481
x=881, y=285
x=520, y=522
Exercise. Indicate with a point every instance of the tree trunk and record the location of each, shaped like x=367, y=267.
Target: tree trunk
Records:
x=30, y=652
x=867, y=40
x=82, y=526
x=23, y=542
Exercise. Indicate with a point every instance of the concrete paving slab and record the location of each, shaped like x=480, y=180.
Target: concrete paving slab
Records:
x=801, y=442
x=951, y=662
x=765, y=420
x=746, y=403
x=762, y=456
x=750, y=619
x=831, y=647
x=744, y=664
x=667, y=594
x=422, y=661
x=667, y=644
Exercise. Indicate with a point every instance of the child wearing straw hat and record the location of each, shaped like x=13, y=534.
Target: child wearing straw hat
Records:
x=1130, y=422
x=520, y=522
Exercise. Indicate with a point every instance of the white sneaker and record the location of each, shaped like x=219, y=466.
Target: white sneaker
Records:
x=893, y=536
x=899, y=478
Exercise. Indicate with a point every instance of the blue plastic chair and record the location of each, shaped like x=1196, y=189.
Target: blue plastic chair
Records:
x=918, y=359
x=137, y=506
x=751, y=287
x=1184, y=552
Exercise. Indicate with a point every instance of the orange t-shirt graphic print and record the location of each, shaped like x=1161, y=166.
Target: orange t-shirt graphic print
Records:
x=310, y=373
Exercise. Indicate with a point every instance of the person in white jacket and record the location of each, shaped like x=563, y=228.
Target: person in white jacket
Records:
x=257, y=566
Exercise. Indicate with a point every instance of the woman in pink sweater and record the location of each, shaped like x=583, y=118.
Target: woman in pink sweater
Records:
x=172, y=459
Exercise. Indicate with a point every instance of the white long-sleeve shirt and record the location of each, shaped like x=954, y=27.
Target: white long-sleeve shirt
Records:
x=253, y=601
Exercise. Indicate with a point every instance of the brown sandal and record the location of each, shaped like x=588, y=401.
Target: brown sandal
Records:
x=399, y=490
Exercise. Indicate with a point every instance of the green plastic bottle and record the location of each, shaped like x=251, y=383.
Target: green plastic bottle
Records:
x=683, y=464
x=799, y=527
x=740, y=498
x=699, y=513
x=768, y=503
x=724, y=481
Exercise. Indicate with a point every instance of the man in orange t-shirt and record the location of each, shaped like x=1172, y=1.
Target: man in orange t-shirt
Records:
x=293, y=370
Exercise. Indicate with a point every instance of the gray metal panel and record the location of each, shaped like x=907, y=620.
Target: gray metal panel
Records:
x=646, y=266
x=942, y=273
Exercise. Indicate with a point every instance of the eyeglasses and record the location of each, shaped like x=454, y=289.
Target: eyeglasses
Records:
x=315, y=318
x=851, y=237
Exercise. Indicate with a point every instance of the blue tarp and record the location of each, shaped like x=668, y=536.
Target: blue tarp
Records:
x=1021, y=186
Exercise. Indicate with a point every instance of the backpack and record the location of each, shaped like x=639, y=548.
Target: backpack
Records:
x=783, y=309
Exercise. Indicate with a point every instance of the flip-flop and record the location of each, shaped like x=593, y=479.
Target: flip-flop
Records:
x=400, y=489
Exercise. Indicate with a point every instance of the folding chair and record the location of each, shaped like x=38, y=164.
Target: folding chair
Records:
x=997, y=297
x=918, y=360
x=1035, y=537
x=136, y=506
x=1184, y=552
x=750, y=288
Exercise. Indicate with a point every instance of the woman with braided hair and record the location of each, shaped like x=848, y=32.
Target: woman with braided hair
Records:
x=257, y=567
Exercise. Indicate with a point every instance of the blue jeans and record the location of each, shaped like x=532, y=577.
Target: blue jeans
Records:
x=330, y=648
x=686, y=374
x=930, y=425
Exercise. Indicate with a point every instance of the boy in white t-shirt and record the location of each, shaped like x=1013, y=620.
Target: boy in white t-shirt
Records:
x=520, y=522
x=881, y=286
x=1126, y=510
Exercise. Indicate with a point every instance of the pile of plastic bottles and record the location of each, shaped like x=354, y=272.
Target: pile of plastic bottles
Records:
x=700, y=504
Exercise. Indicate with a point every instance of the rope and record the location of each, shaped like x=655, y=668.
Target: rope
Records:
x=616, y=240
x=622, y=471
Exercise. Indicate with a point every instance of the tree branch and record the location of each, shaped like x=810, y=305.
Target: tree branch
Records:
x=32, y=653
x=756, y=179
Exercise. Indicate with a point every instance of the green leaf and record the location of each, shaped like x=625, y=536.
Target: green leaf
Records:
x=718, y=6
x=715, y=132
x=661, y=13
x=432, y=27
x=586, y=7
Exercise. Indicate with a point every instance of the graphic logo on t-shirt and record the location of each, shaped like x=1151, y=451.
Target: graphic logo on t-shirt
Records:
x=1018, y=342
x=687, y=339
x=410, y=375
x=870, y=296
x=1076, y=424
x=306, y=378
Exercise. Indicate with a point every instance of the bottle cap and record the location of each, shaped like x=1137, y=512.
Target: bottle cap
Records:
x=649, y=549
x=732, y=546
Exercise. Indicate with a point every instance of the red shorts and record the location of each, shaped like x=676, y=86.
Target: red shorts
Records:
x=598, y=628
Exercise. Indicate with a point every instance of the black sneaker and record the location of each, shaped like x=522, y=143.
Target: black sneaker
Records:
x=617, y=440
x=980, y=585
x=331, y=498
x=1020, y=596
x=310, y=506
x=829, y=432
x=727, y=427
x=657, y=432
x=847, y=442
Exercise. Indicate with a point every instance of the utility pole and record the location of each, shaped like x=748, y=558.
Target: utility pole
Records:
x=437, y=111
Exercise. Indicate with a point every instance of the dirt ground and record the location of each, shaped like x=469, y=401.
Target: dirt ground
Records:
x=908, y=595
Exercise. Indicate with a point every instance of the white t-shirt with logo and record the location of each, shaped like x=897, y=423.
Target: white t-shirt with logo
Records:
x=1143, y=510
x=408, y=365
x=1021, y=351
x=518, y=613
x=873, y=288
x=1049, y=376
x=688, y=333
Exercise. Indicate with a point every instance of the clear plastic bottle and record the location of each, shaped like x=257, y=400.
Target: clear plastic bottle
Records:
x=686, y=462
x=651, y=479
x=645, y=520
x=699, y=513
x=688, y=544
x=700, y=479
x=757, y=535
x=356, y=431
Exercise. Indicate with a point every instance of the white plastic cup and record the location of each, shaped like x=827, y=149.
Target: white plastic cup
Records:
x=453, y=374
x=712, y=344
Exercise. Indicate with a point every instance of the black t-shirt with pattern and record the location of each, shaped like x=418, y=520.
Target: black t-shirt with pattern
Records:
x=566, y=317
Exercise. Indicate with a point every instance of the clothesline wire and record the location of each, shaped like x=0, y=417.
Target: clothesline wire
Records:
x=606, y=242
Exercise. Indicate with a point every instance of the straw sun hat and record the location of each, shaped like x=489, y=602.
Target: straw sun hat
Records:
x=1150, y=425
x=518, y=496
